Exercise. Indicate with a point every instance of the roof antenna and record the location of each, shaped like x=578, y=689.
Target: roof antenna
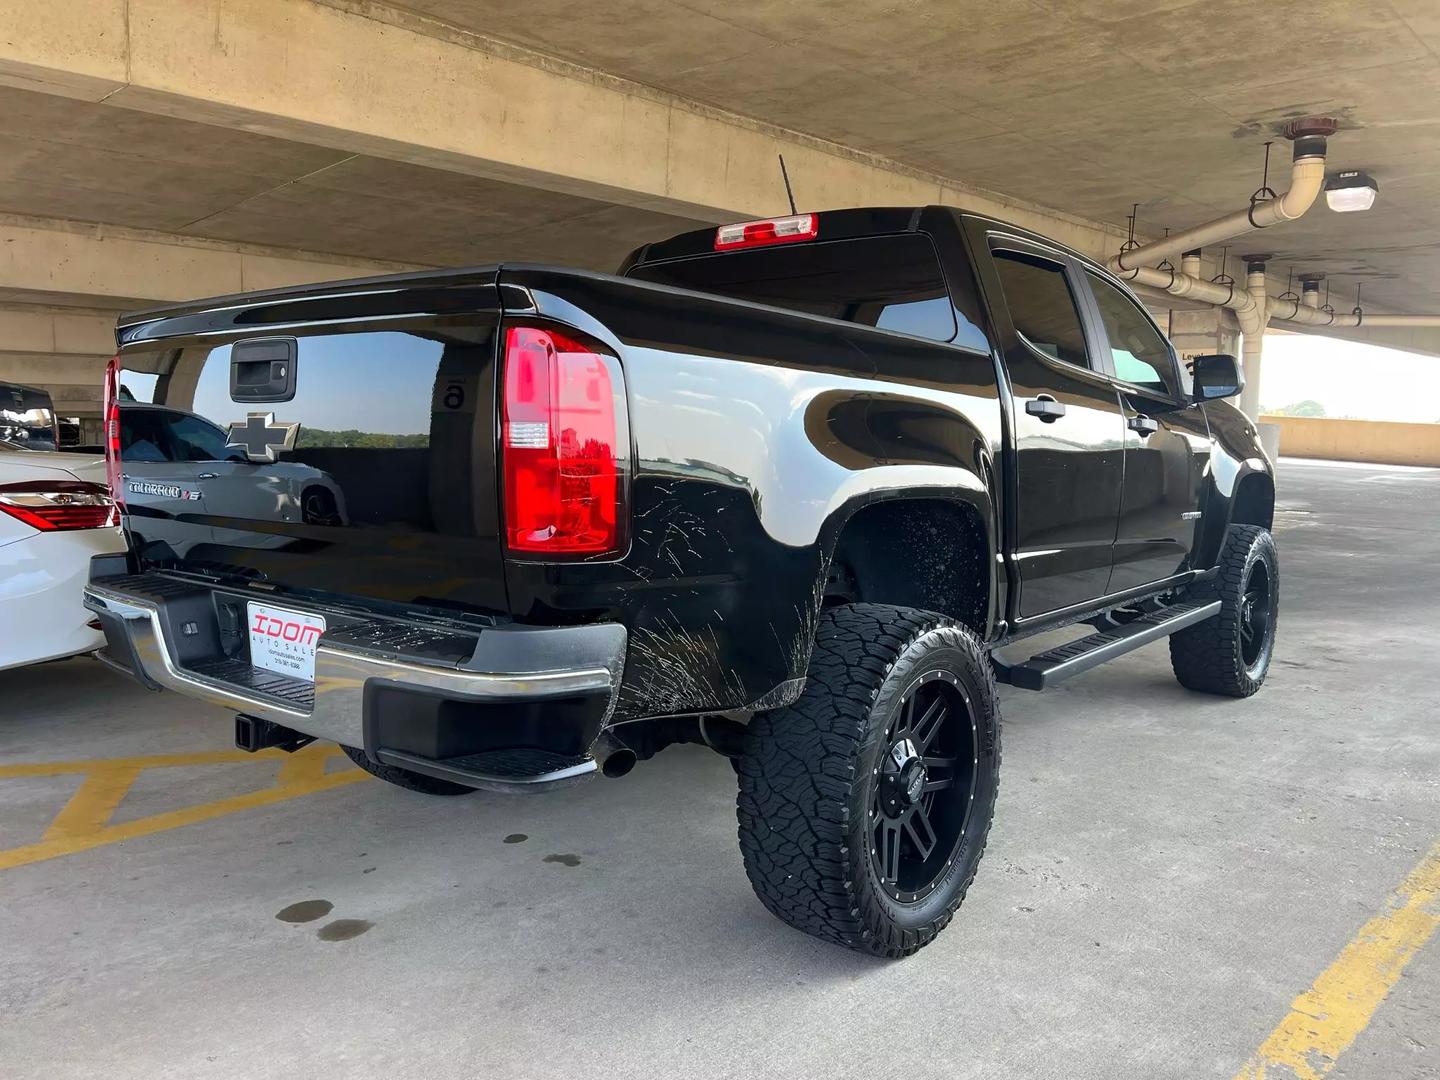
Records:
x=784, y=175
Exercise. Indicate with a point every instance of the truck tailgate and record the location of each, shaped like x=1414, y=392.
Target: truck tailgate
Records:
x=333, y=439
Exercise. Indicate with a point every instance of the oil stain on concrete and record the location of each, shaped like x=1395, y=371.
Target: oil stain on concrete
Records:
x=562, y=860
x=516, y=838
x=343, y=929
x=305, y=911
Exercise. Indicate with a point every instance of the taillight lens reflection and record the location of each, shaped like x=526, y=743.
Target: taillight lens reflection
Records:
x=59, y=505
x=563, y=446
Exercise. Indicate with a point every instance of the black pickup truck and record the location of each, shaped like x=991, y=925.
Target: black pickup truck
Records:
x=781, y=488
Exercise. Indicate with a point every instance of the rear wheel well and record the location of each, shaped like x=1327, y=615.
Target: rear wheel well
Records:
x=1254, y=502
x=918, y=553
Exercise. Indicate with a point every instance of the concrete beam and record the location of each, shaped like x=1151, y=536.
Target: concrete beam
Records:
x=110, y=267
x=1417, y=339
x=358, y=77
x=47, y=369
x=52, y=331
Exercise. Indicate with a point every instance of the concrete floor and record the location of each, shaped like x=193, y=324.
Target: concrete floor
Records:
x=1166, y=873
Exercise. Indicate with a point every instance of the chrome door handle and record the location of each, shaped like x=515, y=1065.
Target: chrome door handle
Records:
x=1144, y=425
x=1046, y=408
x=207, y=476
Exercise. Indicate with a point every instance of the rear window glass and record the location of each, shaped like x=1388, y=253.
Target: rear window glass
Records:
x=27, y=419
x=889, y=282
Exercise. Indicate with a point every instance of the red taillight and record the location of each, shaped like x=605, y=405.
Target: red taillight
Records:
x=111, y=432
x=58, y=505
x=564, y=446
x=780, y=230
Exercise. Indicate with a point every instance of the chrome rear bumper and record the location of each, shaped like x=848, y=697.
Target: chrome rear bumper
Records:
x=509, y=664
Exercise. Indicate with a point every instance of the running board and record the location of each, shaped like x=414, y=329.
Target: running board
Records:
x=1049, y=668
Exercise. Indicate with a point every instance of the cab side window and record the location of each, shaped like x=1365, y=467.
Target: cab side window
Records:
x=1042, y=307
x=1139, y=352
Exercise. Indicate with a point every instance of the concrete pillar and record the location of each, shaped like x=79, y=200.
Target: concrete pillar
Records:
x=1204, y=331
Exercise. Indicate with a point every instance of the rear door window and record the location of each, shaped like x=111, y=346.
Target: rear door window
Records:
x=142, y=435
x=195, y=440
x=1042, y=307
x=889, y=282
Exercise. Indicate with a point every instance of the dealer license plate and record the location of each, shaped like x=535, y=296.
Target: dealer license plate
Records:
x=284, y=641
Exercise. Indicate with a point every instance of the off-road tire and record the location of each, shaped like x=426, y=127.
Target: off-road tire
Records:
x=1210, y=656
x=410, y=781
x=808, y=771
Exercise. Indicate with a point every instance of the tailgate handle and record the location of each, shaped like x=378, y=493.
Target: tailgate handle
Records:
x=263, y=369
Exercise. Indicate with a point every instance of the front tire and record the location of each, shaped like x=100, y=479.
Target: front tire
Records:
x=864, y=806
x=404, y=778
x=1230, y=653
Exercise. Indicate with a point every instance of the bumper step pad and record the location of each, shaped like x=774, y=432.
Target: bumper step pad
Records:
x=514, y=770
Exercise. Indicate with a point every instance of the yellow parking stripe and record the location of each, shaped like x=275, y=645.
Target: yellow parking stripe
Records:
x=84, y=822
x=1325, y=1020
x=301, y=768
x=151, y=761
x=89, y=809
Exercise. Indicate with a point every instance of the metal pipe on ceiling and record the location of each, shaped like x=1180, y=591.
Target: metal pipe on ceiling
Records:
x=1304, y=315
x=1307, y=180
x=1252, y=344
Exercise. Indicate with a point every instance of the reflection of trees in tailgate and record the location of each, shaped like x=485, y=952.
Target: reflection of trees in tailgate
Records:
x=313, y=437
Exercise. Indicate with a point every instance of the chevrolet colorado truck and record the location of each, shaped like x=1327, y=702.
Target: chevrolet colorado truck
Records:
x=782, y=488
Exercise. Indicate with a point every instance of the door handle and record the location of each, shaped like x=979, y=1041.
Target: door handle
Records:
x=206, y=475
x=1143, y=424
x=1046, y=408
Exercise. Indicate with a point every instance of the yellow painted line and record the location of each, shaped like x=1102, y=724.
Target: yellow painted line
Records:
x=152, y=761
x=89, y=809
x=304, y=766
x=190, y=815
x=1326, y=1019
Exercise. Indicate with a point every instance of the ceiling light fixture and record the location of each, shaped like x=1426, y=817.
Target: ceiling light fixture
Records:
x=1349, y=191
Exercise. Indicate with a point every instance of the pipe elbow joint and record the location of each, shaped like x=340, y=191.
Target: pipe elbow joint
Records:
x=1307, y=180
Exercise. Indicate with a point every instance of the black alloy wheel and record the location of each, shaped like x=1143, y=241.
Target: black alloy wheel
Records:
x=924, y=787
x=1255, y=615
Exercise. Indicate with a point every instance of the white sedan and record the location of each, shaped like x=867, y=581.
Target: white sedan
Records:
x=55, y=513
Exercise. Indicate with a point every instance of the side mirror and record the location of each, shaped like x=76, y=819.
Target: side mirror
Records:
x=1217, y=376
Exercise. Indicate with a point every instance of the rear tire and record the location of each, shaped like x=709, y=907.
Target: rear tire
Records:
x=410, y=781
x=1230, y=653
x=317, y=507
x=851, y=826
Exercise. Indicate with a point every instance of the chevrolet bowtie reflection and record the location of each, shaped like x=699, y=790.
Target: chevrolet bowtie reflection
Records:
x=176, y=462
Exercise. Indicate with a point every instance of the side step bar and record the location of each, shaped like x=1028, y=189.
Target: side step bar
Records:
x=1049, y=668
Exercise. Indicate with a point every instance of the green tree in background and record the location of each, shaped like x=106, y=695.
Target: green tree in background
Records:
x=1308, y=407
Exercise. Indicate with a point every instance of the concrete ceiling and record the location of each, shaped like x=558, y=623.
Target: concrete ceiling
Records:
x=66, y=158
x=1083, y=105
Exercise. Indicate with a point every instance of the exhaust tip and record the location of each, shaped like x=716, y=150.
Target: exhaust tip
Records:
x=618, y=762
